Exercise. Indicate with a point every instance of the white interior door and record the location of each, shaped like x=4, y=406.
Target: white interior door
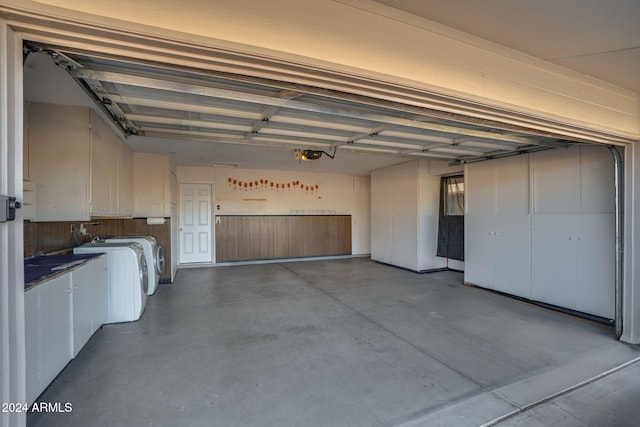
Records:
x=195, y=223
x=12, y=343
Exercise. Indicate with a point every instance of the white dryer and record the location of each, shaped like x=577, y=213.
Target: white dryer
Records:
x=152, y=252
x=128, y=278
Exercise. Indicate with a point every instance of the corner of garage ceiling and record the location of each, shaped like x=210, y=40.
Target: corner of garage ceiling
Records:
x=391, y=56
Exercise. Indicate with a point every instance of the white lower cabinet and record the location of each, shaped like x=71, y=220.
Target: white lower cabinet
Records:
x=499, y=249
x=81, y=307
x=100, y=294
x=32, y=327
x=55, y=318
x=61, y=314
x=47, y=335
x=573, y=262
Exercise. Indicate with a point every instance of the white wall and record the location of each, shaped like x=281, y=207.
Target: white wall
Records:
x=631, y=290
x=336, y=194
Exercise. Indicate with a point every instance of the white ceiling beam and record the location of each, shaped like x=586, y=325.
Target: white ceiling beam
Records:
x=491, y=145
x=377, y=142
x=315, y=123
x=370, y=149
x=184, y=122
x=432, y=155
x=394, y=133
x=456, y=151
x=183, y=106
x=300, y=134
x=230, y=139
x=151, y=131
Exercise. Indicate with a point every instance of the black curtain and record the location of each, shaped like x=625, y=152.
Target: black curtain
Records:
x=451, y=221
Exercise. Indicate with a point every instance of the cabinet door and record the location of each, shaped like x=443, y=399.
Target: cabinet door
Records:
x=597, y=187
x=498, y=186
x=512, y=249
x=29, y=199
x=33, y=352
x=479, y=248
x=556, y=181
x=124, y=194
x=596, y=265
x=381, y=204
x=512, y=185
x=480, y=188
x=55, y=309
x=100, y=295
x=554, y=258
x=59, y=161
x=149, y=184
x=81, y=307
x=404, y=226
x=102, y=163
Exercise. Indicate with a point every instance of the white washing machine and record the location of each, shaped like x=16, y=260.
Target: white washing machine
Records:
x=152, y=252
x=128, y=278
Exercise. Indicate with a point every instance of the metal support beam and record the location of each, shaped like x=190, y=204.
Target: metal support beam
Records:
x=198, y=89
x=269, y=112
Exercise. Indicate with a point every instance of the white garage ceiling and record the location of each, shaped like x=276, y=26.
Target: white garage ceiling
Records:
x=216, y=119
x=594, y=37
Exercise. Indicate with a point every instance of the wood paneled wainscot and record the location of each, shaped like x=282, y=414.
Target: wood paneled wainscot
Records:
x=252, y=237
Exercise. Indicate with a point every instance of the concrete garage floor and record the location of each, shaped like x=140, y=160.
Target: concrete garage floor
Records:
x=345, y=342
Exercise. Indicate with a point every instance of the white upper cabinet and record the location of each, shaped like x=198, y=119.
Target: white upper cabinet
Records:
x=556, y=181
x=597, y=193
x=574, y=180
x=125, y=181
x=498, y=186
x=58, y=152
x=102, y=178
x=154, y=183
x=78, y=165
x=111, y=172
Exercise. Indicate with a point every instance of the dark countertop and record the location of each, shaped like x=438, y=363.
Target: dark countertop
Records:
x=39, y=269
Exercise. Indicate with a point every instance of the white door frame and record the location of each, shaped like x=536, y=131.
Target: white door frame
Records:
x=12, y=339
